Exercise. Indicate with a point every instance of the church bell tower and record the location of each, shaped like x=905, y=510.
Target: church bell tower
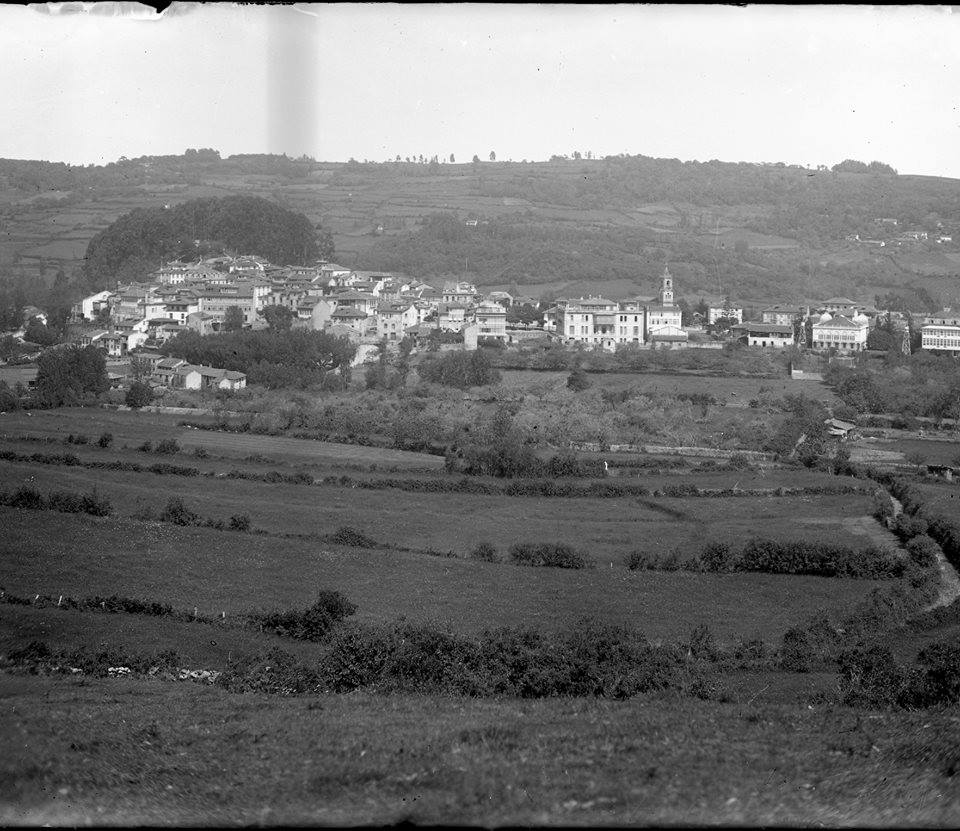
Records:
x=666, y=288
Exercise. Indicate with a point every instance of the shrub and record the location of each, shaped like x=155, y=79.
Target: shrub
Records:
x=65, y=502
x=937, y=680
x=178, y=513
x=95, y=504
x=717, y=557
x=200, y=452
x=167, y=446
x=139, y=395
x=923, y=551
x=146, y=447
x=870, y=677
x=346, y=535
x=638, y=560
x=277, y=672
x=485, y=552
x=105, y=440
x=27, y=497
x=311, y=624
x=240, y=522
x=578, y=381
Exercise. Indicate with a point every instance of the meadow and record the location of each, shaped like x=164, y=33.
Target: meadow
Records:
x=760, y=745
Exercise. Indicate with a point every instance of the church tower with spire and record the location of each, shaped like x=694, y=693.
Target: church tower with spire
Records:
x=666, y=288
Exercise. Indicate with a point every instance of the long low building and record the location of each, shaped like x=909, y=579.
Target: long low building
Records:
x=941, y=332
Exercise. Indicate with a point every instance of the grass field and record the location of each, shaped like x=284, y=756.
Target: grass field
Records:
x=145, y=752
x=55, y=554
x=134, y=428
x=606, y=528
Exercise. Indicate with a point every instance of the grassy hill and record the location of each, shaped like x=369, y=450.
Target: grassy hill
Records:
x=759, y=232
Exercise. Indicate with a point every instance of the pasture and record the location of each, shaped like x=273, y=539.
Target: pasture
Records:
x=50, y=553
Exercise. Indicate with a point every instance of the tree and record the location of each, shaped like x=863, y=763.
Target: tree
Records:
x=917, y=459
x=475, y=159
x=452, y=159
x=139, y=395
x=879, y=339
x=70, y=376
x=39, y=333
x=139, y=368
x=233, y=319
x=576, y=155
x=278, y=318
x=493, y=156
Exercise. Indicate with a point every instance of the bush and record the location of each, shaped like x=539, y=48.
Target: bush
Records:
x=200, y=452
x=485, y=552
x=146, y=447
x=640, y=560
x=276, y=672
x=167, y=446
x=240, y=522
x=139, y=395
x=578, y=381
x=549, y=555
x=178, y=513
x=27, y=497
x=346, y=535
x=923, y=551
x=311, y=624
x=717, y=557
x=870, y=677
x=105, y=440
x=937, y=680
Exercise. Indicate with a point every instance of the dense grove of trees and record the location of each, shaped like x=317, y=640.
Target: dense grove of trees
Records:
x=460, y=369
x=139, y=240
x=70, y=376
x=922, y=384
x=292, y=358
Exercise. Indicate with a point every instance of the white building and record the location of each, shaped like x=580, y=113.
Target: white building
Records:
x=491, y=318
x=941, y=332
x=840, y=332
x=767, y=335
x=714, y=313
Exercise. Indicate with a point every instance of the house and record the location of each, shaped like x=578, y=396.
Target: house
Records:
x=941, y=332
x=840, y=332
x=780, y=315
x=356, y=300
x=767, y=335
x=839, y=429
x=313, y=313
x=714, y=313
x=354, y=319
x=89, y=307
x=461, y=292
x=393, y=319
x=491, y=318
x=451, y=316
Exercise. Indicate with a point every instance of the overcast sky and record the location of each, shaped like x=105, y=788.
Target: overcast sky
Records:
x=806, y=85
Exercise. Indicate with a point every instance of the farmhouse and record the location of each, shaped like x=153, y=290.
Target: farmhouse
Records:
x=774, y=335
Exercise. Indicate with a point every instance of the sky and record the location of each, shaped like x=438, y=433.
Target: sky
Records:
x=797, y=84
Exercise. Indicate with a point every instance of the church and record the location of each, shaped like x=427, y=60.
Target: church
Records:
x=663, y=320
x=605, y=324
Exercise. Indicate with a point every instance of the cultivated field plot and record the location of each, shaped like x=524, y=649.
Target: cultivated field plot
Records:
x=729, y=391
x=51, y=553
x=606, y=528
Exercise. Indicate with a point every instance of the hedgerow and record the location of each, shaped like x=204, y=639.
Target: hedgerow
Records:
x=549, y=555
x=311, y=624
x=779, y=557
x=93, y=503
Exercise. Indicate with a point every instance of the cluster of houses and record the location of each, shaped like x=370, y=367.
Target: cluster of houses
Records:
x=364, y=306
x=369, y=307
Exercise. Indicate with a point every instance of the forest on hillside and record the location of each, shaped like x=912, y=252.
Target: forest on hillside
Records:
x=134, y=245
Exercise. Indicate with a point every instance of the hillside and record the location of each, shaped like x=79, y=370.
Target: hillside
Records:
x=761, y=233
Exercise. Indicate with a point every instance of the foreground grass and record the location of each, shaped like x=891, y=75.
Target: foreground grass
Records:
x=50, y=553
x=126, y=751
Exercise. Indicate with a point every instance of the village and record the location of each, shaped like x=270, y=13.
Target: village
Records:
x=369, y=308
